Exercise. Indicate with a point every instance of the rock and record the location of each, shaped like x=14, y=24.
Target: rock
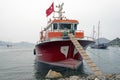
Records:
x=74, y=78
x=101, y=77
x=83, y=78
x=47, y=79
x=53, y=74
x=61, y=79
x=91, y=77
x=108, y=76
x=97, y=79
x=118, y=76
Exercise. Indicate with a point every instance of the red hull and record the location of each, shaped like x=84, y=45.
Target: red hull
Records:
x=60, y=53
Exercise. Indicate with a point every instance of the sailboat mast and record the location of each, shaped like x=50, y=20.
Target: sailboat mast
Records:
x=93, y=33
x=98, y=31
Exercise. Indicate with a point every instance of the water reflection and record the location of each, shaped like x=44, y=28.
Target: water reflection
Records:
x=42, y=69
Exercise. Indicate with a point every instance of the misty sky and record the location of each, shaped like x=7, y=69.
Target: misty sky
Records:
x=22, y=20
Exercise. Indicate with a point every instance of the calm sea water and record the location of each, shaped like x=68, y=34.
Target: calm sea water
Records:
x=17, y=63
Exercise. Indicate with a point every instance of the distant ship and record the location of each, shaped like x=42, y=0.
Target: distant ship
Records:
x=98, y=45
x=8, y=45
x=55, y=49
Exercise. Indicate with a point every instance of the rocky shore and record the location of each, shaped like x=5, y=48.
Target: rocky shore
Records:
x=89, y=77
x=53, y=75
x=93, y=77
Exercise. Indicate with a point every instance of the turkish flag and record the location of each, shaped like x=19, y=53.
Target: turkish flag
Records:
x=50, y=10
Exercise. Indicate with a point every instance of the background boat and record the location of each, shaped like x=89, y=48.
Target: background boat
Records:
x=98, y=44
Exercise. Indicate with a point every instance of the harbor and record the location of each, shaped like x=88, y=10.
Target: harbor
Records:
x=14, y=67
x=55, y=41
x=69, y=45
x=107, y=60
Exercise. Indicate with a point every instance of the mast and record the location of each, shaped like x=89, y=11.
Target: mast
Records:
x=98, y=31
x=60, y=11
x=93, y=33
x=60, y=8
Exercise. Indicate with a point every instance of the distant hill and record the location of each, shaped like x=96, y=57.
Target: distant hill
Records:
x=4, y=43
x=24, y=44
x=115, y=42
x=102, y=40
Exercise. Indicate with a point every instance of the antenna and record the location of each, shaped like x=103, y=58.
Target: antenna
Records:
x=60, y=8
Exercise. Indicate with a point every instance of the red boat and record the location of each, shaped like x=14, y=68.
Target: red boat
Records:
x=55, y=49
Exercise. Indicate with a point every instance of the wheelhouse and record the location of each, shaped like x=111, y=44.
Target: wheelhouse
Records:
x=64, y=25
x=59, y=29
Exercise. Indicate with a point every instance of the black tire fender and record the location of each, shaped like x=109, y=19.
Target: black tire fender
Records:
x=34, y=52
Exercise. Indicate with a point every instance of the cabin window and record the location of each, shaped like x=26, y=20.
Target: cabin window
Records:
x=75, y=26
x=65, y=26
x=55, y=26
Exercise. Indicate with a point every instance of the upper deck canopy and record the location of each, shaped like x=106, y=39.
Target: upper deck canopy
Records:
x=65, y=21
x=57, y=21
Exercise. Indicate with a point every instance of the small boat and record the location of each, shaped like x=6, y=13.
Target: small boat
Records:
x=55, y=50
x=98, y=45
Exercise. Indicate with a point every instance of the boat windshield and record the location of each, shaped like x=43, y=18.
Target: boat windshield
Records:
x=63, y=26
x=55, y=26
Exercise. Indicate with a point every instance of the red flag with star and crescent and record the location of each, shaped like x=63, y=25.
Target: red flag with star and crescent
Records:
x=50, y=9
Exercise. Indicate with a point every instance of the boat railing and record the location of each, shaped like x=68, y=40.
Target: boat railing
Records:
x=60, y=34
x=79, y=34
x=65, y=37
x=53, y=35
x=89, y=38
